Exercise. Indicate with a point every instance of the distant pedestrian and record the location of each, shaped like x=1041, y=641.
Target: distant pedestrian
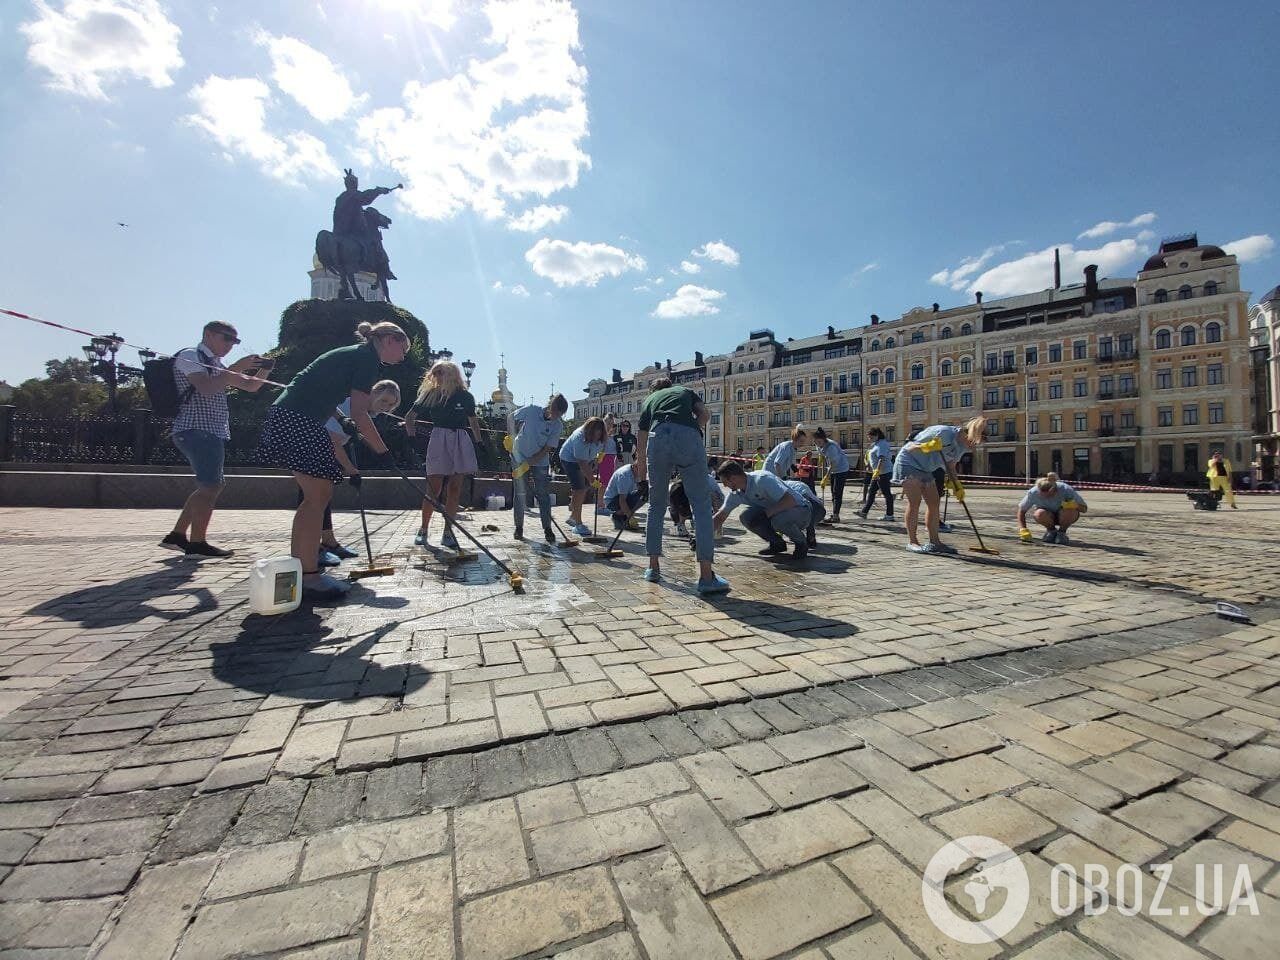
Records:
x=294, y=436
x=880, y=468
x=837, y=469
x=626, y=442
x=203, y=426
x=1219, y=473
x=757, y=462
x=447, y=405
x=538, y=430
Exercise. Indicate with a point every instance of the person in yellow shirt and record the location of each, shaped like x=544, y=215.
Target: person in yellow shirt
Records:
x=757, y=462
x=1219, y=474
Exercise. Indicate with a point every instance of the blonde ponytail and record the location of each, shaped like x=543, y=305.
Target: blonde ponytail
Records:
x=379, y=331
x=975, y=430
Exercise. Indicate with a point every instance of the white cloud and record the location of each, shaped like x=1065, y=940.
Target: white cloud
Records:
x=957, y=277
x=688, y=266
x=1034, y=271
x=535, y=218
x=1146, y=236
x=689, y=301
x=91, y=42
x=438, y=13
x=232, y=110
x=579, y=264
x=1251, y=249
x=519, y=290
x=720, y=252
x=867, y=268
x=1111, y=226
x=503, y=129
x=310, y=77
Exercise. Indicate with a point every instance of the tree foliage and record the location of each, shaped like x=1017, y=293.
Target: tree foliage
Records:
x=69, y=389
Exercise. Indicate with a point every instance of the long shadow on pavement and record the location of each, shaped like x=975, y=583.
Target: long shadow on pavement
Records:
x=126, y=601
x=784, y=619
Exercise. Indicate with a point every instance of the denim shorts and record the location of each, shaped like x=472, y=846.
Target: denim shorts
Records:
x=571, y=470
x=205, y=452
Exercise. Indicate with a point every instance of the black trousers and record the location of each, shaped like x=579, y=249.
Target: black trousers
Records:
x=880, y=483
x=838, y=480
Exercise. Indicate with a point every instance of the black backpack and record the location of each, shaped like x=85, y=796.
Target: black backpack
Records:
x=162, y=388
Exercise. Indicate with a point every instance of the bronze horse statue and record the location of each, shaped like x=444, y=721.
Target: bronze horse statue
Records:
x=346, y=255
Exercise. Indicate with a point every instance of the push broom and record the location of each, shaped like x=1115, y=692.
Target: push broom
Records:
x=613, y=551
x=955, y=485
x=370, y=570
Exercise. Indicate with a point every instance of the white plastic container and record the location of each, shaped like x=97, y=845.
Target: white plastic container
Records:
x=495, y=501
x=275, y=585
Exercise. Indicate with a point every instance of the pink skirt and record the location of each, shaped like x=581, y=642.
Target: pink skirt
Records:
x=608, y=464
x=450, y=452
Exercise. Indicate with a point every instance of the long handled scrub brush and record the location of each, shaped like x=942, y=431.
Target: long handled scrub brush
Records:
x=370, y=570
x=959, y=492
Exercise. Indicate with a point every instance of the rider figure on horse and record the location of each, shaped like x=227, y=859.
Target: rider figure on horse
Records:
x=349, y=218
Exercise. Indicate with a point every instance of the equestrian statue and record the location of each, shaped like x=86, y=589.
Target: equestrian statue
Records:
x=355, y=243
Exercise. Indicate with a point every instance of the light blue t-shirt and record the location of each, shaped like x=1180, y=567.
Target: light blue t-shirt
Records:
x=880, y=456
x=837, y=462
x=800, y=490
x=781, y=459
x=621, y=484
x=577, y=448
x=764, y=489
x=717, y=492
x=1036, y=498
x=536, y=432
x=911, y=457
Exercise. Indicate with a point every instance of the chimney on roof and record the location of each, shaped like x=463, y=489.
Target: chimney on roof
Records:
x=977, y=296
x=874, y=319
x=1091, y=281
x=617, y=375
x=831, y=332
x=935, y=308
x=668, y=364
x=657, y=364
x=1057, y=269
x=697, y=359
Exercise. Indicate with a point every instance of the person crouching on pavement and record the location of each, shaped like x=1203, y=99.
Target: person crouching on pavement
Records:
x=775, y=509
x=1052, y=504
x=680, y=508
x=933, y=448
x=622, y=497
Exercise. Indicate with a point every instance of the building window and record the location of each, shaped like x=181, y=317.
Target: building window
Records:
x=917, y=337
x=1106, y=387
x=990, y=363
x=873, y=378
x=1164, y=379
x=1127, y=418
x=1162, y=295
x=917, y=404
x=1010, y=396
x=1055, y=423
x=1033, y=392
x=799, y=388
x=966, y=365
x=1214, y=372
x=1055, y=390
x=1188, y=376
x=1165, y=417
x=890, y=433
x=1215, y=413
x=1032, y=356
x=826, y=412
x=948, y=401
x=1191, y=457
x=1055, y=353
x=917, y=371
x=1080, y=388
x=1104, y=348
x=1126, y=383
x=993, y=397
x=759, y=393
x=1033, y=426
x=1079, y=350
x=855, y=379
x=993, y=428
x=715, y=419
x=826, y=384
x=1082, y=422
x=889, y=375
x=1188, y=336
x=1184, y=292
x=1107, y=422
x=751, y=365
x=1210, y=288
x=890, y=343
x=945, y=334
x=742, y=421
x=966, y=398
x=890, y=405
x=715, y=372
x=813, y=413
x=843, y=383
x=1191, y=415
x=875, y=344
x=1213, y=333
x=966, y=329
x=813, y=384
x=739, y=396
x=875, y=408
x=715, y=397
x=1164, y=339
x=946, y=368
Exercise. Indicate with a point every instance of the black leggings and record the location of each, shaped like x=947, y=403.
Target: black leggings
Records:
x=328, y=513
x=880, y=483
x=838, y=481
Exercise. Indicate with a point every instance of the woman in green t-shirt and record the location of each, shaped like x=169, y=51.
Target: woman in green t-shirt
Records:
x=449, y=409
x=294, y=436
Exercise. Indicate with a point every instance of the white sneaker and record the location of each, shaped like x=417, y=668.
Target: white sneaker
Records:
x=582, y=530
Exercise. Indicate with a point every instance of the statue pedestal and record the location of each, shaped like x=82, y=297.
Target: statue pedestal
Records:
x=325, y=285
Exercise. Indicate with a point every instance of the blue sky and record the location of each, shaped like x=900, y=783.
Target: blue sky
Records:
x=601, y=184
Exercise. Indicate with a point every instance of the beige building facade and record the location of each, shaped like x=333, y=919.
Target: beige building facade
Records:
x=1264, y=350
x=1118, y=379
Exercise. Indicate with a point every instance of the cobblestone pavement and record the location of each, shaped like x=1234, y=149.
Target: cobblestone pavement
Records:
x=604, y=768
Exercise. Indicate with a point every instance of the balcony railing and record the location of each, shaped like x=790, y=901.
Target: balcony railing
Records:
x=1117, y=356
x=1000, y=405
x=997, y=369
x=1119, y=432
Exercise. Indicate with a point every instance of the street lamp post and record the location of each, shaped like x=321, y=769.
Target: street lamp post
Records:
x=101, y=354
x=468, y=367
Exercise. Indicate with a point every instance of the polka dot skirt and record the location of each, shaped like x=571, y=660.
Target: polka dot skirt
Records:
x=298, y=443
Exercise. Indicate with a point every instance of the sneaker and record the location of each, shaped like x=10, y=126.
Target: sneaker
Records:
x=772, y=550
x=321, y=586
x=800, y=552
x=519, y=534
x=328, y=559
x=888, y=518
x=811, y=539
x=1063, y=539
x=421, y=539
x=863, y=514
x=945, y=527
x=1050, y=536
x=202, y=548
x=922, y=548
x=716, y=584
x=834, y=518
x=176, y=541
x=581, y=529
x=652, y=575
x=549, y=535
x=343, y=553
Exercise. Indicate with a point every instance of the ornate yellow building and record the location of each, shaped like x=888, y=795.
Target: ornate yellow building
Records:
x=1119, y=379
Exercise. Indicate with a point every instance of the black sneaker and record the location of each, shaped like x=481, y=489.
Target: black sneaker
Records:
x=811, y=540
x=176, y=541
x=772, y=550
x=202, y=548
x=800, y=552
x=519, y=534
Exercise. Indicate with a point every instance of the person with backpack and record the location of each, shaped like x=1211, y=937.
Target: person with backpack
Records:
x=192, y=388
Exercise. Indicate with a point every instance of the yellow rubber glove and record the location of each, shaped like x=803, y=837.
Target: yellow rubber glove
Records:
x=1024, y=535
x=595, y=483
x=1069, y=505
x=826, y=480
x=875, y=474
x=953, y=485
x=932, y=446
x=507, y=443
x=520, y=470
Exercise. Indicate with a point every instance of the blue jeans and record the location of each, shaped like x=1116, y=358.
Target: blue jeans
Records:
x=541, y=477
x=674, y=447
x=205, y=452
x=614, y=504
x=796, y=524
